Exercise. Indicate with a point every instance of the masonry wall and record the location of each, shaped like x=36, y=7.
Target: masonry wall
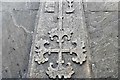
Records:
x=102, y=24
x=18, y=23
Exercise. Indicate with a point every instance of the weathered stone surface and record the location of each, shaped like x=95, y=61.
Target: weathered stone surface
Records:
x=101, y=6
x=103, y=33
x=18, y=24
x=59, y=29
x=20, y=6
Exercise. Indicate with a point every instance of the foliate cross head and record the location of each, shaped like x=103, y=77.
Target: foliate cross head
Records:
x=78, y=49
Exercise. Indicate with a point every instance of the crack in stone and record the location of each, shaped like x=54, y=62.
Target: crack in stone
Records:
x=20, y=26
x=26, y=10
x=89, y=11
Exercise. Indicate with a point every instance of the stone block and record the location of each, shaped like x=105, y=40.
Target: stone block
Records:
x=17, y=33
x=103, y=32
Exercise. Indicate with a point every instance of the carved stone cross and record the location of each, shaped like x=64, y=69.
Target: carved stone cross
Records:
x=59, y=70
x=59, y=35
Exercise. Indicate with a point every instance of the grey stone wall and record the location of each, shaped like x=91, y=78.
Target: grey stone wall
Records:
x=102, y=25
x=18, y=23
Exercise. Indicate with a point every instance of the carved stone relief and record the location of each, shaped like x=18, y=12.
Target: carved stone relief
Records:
x=50, y=7
x=59, y=35
x=70, y=8
x=60, y=70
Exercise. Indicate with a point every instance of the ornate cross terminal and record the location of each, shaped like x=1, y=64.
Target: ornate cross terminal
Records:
x=70, y=7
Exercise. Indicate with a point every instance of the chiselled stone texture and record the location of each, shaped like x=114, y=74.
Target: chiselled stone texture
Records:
x=59, y=49
x=102, y=25
x=18, y=22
